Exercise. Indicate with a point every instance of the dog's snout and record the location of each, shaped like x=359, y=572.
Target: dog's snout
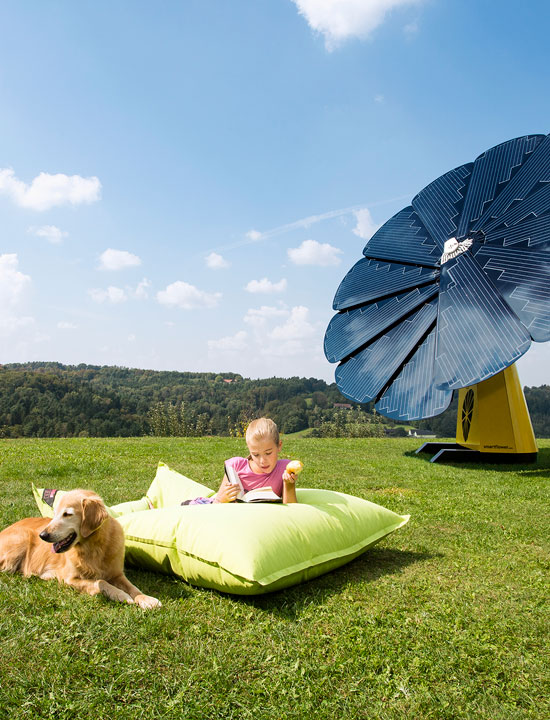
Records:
x=45, y=535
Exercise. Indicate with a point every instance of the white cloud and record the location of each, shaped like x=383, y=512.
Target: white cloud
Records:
x=13, y=284
x=379, y=99
x=339, y=20
x=259, y=317
x=141, y=290
x=296, y=326
x=14, y=288
x=266, y=286
x=67, y=326
x=275, y=332
x=366, y=227
x=10, y=323
x=276, y=340
x=254, y=235
x=112, y=294
x=311, y=252
x=118, y=260
x=52, y=233
x=283, y=332
x=411, y=28
x=294, y=336
x=47, y=191
x=232, y=343
x=216, y=262
x=187, y=297
x=117, y=295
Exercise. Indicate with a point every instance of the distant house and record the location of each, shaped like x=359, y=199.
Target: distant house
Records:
x=413, y=433
x=228, y=380
x=347, y=406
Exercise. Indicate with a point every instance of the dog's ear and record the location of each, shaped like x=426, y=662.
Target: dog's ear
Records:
x=94, y=514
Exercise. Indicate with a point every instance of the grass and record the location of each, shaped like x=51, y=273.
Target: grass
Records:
x=446, y=618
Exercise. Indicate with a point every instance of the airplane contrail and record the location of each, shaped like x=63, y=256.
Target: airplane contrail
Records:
x=255, y=236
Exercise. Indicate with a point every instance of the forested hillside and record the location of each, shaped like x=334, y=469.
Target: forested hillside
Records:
x=54, y=400
x=538, y=401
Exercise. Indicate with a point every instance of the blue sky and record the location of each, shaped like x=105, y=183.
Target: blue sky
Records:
x=184, y=184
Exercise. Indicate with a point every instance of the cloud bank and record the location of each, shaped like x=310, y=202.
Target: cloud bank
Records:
x=187, y=297
x=113, y=295
x=52, y=233
x=366, y=227
x=266, y=286
x=14, y=287
x=47, y=191
x=273, y=332
x=339, y=20
x=216, y=262
x=118, y=260
x=310, y=252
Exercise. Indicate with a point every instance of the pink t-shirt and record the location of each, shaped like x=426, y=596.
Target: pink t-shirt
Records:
x=252, y=480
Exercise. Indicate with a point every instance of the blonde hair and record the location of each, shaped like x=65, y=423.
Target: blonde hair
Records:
x=262, y=428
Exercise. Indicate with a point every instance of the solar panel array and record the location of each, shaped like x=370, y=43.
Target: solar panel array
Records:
x=452, y=289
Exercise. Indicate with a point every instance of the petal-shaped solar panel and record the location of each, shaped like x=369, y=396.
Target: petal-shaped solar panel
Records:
x=404, y=237
x=534, y=232
x=349, y=330
x=478, y=334
x=521, y=277
x=369, y=280
x=452, y=289
x=413, y=394
x=385, y=355
x=438, y=205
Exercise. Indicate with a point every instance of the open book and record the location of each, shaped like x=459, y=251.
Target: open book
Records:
x=263, y=494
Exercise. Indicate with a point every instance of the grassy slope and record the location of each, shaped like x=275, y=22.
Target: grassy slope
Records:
x=445, y=619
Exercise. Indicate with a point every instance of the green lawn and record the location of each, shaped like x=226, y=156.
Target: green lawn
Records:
x=446, y=618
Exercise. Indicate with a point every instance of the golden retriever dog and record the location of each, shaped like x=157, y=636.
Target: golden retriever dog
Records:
x=82, y=546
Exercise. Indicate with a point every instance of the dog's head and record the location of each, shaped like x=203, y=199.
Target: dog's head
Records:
x=78, y=514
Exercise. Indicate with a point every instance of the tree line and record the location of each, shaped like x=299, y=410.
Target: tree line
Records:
x=44, y=399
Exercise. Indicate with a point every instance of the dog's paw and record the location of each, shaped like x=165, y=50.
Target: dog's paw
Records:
x=146, y=602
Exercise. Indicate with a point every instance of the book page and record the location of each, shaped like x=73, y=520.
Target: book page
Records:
x=232, y=475
x=264, y=494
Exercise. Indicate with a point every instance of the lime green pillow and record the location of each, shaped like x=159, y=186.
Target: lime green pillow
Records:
x=245, y=548
x=171, y=488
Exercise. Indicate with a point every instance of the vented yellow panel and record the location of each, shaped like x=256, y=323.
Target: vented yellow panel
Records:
x=493, y=416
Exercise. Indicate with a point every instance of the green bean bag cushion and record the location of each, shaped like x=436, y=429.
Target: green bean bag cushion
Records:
x=245, y=548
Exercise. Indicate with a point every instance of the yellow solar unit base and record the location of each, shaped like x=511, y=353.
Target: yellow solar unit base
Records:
x=493, y=424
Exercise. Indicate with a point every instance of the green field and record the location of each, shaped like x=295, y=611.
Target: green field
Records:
x=446, y=618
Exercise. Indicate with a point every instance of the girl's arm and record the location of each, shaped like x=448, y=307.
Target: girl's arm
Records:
x=289, y=487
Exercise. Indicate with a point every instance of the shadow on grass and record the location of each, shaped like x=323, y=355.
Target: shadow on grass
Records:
x=369, y=567
x=374, y=564
x=163, y=587
x=541, y=467
x=289, y=602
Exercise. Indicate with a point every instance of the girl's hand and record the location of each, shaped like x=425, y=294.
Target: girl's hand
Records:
x=289, y=478
x=227, y=492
